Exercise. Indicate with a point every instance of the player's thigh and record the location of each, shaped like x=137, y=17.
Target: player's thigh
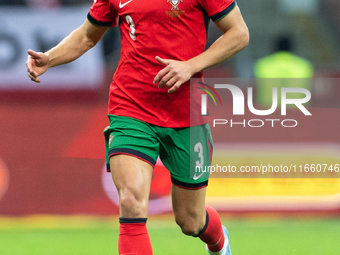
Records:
x=131, y=151
x=131, y=174
x=189, y=207
x=188, y=201
x=132, y=178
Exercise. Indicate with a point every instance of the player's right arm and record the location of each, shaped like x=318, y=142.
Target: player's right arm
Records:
x=70, y=48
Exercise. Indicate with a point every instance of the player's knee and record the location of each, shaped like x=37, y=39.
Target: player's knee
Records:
x=132, y=205
x=189, y=225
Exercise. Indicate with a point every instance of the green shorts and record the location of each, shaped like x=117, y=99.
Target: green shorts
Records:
x=183, y=151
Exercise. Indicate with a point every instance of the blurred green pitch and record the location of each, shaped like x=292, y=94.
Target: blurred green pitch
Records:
x=84, y=235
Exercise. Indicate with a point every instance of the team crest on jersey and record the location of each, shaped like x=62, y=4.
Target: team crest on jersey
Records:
x=175, y=11
x=175, y=4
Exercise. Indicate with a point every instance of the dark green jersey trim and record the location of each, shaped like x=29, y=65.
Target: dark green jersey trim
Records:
x=206, y=22
x=98, y=23
x=224, y=13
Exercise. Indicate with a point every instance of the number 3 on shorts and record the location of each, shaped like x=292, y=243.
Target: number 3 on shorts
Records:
x=199, y=149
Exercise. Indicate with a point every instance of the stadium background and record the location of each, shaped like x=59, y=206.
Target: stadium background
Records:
x=53, y=187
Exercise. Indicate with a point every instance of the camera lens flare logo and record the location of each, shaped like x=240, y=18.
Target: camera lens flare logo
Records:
x=204, y=97
x=4, y=179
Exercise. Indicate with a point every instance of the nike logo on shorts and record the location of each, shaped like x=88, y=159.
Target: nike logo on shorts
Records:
x=197, y=177
x=122, y=5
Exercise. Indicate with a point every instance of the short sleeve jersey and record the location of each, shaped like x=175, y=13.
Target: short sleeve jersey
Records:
x=170, y=29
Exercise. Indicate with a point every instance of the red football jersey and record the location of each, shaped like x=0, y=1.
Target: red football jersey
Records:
x=170, y=29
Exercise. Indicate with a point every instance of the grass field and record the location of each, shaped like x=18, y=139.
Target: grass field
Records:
x=83, y=235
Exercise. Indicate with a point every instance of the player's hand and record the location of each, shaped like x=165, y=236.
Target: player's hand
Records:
x=37, y=64
x=174, y=74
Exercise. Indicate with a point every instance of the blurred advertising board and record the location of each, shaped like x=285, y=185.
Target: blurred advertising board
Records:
x=22, y=29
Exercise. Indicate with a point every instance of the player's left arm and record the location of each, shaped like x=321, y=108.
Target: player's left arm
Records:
x=234, y=39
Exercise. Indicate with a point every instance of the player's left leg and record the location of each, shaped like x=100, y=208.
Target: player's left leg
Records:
x=189, y=209
x=198, y=220
x=186, y=152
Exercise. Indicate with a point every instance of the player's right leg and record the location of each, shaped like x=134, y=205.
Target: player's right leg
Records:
x=132, y=150
x=132, y=178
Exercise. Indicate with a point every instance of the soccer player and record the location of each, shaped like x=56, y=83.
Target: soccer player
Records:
x=162, y=47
